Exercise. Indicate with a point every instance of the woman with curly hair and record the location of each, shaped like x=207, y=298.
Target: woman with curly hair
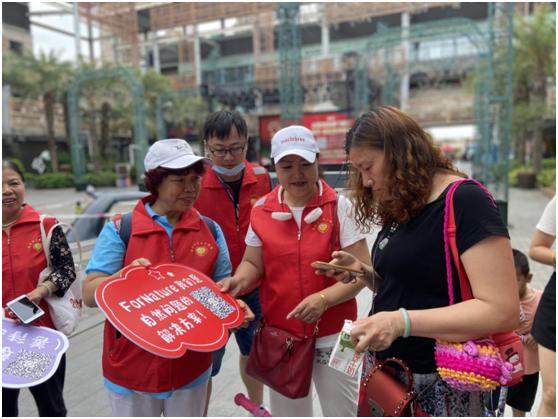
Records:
x=399, y=181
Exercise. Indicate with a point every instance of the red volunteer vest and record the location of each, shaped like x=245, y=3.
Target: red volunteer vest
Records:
x=287, y=256
x=125, y=363
x=23, y=259
x=216, y=203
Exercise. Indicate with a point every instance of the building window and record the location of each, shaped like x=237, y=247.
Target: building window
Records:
x=238, y=74
x=16, y=47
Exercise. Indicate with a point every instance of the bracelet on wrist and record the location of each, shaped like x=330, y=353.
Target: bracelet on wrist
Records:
x=407, y=322
x=44, y=285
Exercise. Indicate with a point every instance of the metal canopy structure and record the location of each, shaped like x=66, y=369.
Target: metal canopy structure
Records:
x=290, y=88
x=119, y=19
x=493, y=89
x=494, y=102
x=384, y=59
x=378, y=55
x=140, y=132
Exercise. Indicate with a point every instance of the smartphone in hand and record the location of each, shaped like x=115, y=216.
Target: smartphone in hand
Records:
x=325, y=266
x=25, y=309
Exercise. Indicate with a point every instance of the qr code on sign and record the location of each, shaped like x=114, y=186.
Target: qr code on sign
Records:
x=29, y=364
x=213, y=302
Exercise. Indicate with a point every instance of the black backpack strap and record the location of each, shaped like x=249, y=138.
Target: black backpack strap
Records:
x=125, y=229
x=211, y=225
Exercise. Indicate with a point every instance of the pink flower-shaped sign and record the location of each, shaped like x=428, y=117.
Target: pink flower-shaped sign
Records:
x=168, y=309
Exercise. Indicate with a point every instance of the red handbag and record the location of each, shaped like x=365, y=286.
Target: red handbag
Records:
x=282, y=361
x=382, y=394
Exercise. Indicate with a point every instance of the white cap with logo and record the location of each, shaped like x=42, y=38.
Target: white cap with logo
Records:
x=294, y=139
x=172, y=153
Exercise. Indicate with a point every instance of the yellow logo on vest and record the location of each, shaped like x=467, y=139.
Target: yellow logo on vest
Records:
x=201, y=249
x=36, y=245
x=323, y=227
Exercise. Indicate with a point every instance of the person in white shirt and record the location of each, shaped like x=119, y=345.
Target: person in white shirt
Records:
x=544, y=325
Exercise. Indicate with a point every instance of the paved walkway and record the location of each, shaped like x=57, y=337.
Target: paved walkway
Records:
x=84, y=392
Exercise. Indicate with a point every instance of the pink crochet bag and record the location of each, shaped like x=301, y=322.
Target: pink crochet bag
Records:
x=480, y=364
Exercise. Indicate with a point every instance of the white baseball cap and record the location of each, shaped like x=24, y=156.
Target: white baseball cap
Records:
x=172, y=153
x=294, y=139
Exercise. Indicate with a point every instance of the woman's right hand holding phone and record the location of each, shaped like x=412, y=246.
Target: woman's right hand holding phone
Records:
x=345, y=260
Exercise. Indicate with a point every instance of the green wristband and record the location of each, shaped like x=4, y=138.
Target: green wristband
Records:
x=407, y=321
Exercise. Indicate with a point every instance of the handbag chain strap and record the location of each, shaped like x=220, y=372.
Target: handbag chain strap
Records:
x=374, y=290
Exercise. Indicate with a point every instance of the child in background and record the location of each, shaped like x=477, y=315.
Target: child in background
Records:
x=522, y=396
x=78, y=209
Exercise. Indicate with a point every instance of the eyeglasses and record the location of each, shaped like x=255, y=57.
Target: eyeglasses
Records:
x=222, y=152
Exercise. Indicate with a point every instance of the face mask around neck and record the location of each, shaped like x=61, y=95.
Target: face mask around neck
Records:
x=229, y=172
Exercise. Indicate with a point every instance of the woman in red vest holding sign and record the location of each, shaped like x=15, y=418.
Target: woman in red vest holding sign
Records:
x=301, y=221
x=164, y=228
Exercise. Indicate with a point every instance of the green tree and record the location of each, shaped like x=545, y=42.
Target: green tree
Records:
x=45, y=78
x=108, y=110
x=122, y=110
x=98, y=99
x=188, y=114
x=534, y=67
x=154, y=84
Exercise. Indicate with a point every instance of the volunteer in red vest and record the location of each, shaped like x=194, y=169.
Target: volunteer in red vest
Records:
x=23, y=258
x=300, y=221
x=236, y=185
x=165, y=228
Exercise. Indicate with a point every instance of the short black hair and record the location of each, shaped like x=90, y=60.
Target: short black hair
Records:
x=10, y=164
x=219, y=125
x=521, y=262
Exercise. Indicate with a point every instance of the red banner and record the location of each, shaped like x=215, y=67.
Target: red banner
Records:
x=329, y=128
x=168, y=309
x=269, y=125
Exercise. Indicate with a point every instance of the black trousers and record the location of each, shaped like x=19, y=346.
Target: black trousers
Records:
x=544, y=324
x=48, y=395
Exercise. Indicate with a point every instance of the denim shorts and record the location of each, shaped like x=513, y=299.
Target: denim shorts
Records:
x=243, y=336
